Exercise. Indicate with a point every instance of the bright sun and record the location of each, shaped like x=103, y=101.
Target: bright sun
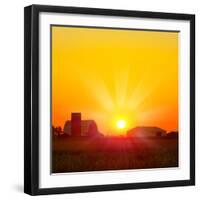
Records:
x=121, y=124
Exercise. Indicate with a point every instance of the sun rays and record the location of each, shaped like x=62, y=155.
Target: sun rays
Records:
x=110, y=75
x=113, y=105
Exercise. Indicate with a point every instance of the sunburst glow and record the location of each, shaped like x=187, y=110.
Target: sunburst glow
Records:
x=118, y=78
x=121, y=124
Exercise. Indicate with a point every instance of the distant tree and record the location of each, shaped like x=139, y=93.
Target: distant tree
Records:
x=57, y=130
x=53, y=130
x=172, y=134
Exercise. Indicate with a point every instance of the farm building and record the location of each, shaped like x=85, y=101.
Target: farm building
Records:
x=78, y=127
x=144, y=131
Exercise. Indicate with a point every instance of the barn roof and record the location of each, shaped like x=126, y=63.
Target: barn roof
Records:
x=146, y=130
x=84, y=126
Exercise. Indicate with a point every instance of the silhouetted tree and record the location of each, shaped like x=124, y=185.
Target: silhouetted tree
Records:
x=56, y=131
x=172, y=134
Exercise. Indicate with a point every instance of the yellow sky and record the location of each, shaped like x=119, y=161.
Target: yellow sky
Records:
x=109, y=74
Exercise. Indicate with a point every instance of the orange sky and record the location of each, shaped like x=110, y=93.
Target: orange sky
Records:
x=109, y=74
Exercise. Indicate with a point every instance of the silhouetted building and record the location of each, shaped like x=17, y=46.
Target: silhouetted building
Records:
x=76, y=124
x=78, y=127
x=144, y=131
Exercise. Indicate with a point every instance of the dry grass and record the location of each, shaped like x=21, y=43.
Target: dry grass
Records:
x=112, y=153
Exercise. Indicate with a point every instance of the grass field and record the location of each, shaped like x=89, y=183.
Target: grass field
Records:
x=112, y=153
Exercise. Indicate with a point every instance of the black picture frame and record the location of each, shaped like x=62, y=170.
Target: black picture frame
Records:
x=31, y=98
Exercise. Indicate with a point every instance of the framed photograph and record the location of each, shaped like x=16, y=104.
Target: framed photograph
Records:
x=109, y=99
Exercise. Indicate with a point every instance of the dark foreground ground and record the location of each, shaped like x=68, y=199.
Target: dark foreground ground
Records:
x=112, y=153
